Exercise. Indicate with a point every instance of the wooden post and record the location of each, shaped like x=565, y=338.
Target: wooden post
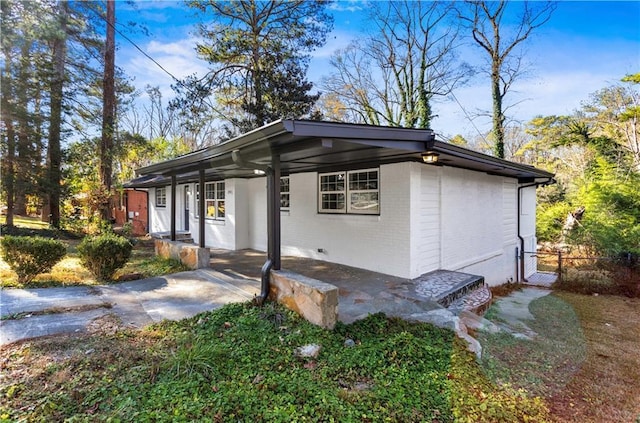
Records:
x=559, y=265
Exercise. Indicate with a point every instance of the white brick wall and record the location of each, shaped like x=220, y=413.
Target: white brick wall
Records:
x=379, y=243
x=430, y=218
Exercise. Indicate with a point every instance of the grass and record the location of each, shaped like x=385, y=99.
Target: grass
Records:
x=239, y=364
x=584, y=361
x=69, y=271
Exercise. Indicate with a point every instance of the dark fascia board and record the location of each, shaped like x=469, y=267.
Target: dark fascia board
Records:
x=213, y=152
x=457, y=151
x=297, y=130
x=290, y=135
x=352, y=131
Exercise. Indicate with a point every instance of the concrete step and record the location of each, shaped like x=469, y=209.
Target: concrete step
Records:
x=181, y=236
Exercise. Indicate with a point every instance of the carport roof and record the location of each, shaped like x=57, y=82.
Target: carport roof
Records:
x=306, y=146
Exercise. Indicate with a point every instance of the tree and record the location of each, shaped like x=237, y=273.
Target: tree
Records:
x=499, y=38
x=392, y=76
x=50, y=85
x=258, y=51
x=54, y=157
x=596, y=173
x=108, y=105
x=614, y=112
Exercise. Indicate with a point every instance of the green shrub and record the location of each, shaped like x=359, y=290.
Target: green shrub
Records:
x=29, y=256
x=104, y=254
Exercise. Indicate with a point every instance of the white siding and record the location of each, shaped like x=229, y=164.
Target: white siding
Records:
x=528, y=228
x=471, y=217
x=159, y=217
x=428, y=204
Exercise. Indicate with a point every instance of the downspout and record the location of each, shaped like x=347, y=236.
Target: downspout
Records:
x=273, y=257
x=520, y=275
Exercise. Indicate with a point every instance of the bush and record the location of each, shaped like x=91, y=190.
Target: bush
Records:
x=30, y=256
x=104, y=254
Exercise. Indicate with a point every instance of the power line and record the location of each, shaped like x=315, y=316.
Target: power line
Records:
x=143, y=52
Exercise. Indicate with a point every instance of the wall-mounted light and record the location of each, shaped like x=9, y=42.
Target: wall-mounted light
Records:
x=430, y=157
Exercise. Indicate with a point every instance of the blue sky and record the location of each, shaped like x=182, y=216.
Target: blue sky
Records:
x=586, y=46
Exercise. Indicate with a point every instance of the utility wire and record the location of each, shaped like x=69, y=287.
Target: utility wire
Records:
x=143, y=52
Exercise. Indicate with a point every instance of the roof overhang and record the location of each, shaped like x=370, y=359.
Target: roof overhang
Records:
x=316, y=146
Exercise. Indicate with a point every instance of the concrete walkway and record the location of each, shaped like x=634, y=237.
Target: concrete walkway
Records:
x=29, y=313
x=512, y=312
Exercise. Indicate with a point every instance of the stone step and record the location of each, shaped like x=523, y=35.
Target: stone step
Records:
x=446, y=287
x=476, y=301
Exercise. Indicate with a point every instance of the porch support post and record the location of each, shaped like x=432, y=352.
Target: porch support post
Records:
x=201, y=239
x=273, y=203
x=173, y=207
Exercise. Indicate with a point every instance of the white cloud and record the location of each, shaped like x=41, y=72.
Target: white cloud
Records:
x=348, y=6
x=177, y=57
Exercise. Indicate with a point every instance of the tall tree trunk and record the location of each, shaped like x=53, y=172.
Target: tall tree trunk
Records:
x=8, y=162
x=55, y=121
x=108, y=109
x=7, y=166
x=23, y=148
x=498, y=112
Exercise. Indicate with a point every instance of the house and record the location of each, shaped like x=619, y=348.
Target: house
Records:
x=130, y=205
x=391, y=200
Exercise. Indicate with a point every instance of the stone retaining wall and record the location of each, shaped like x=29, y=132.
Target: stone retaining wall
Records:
x=314, y=300
x=190, y=255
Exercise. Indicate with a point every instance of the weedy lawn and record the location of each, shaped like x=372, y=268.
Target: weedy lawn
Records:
x=239, y=363
x=584, y=362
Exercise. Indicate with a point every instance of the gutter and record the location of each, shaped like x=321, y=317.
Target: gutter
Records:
x=550, y=181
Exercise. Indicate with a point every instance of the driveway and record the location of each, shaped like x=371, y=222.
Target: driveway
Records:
x=30, y=313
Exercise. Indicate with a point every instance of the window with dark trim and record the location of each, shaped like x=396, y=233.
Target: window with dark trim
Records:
x=353, y=192
x=285, y=196
x=214, y=202
x=161, y=197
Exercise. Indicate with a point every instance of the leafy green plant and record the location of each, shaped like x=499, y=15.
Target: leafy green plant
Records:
x=30, y=256
x=104, y=254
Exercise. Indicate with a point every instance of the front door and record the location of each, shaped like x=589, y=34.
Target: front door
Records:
x=187, y=201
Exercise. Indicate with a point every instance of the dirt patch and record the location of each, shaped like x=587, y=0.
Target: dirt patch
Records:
x=56, y=310
x=607, y=386
x=108, y=324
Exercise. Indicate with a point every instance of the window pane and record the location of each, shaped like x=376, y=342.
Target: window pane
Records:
x=284, y=201
x=363, y=181
x=334, y=182
x=210, y=191
x=333, y=201
x=210, y=207
x=284, y=184
x=220, y=190
x=221, y=209
x=364, y=202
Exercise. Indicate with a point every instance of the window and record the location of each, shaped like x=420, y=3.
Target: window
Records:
x=284, y=194
x=161, y=197
x=332, y=193
x=213, y=200
x=363, y=192
x=353, y=192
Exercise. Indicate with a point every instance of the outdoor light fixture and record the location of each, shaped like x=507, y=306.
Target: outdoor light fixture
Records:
x=430, y=157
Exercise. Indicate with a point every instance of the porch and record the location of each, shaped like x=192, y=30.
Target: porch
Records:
x=362, y=292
